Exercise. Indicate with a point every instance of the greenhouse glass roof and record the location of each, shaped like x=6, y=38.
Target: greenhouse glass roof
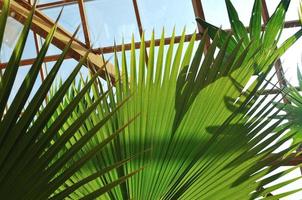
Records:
x=104, y=23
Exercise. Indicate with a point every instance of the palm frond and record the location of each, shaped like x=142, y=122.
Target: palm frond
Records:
x=206, y=138
x=293, y=110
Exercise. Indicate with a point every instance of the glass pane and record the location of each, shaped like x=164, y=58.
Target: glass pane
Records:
x=29, y=49
x=22, y=72
x=12, y=33
x=69, y=20
x=46, y=1
x=110, y=21
x=65, y=70
x=292, y=13
x=13, y=29
x=52, y=49
x=216, y=13
x=292, y=58
x=156, y=14
x=244, y=10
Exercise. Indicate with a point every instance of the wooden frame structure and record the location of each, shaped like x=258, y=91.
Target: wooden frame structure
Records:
x=42, y=25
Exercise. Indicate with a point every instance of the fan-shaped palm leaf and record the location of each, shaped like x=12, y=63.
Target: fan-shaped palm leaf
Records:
x=205, y=138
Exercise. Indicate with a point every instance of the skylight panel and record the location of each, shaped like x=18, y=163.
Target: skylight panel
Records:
x=156, y=14
x=110, y=21
x=68, y=23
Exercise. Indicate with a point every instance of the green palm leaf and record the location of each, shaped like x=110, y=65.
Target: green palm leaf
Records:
x=194, y=138
x=206, y=138
x=294, y=109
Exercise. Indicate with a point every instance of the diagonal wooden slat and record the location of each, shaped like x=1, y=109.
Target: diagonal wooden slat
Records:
x=41, y=25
